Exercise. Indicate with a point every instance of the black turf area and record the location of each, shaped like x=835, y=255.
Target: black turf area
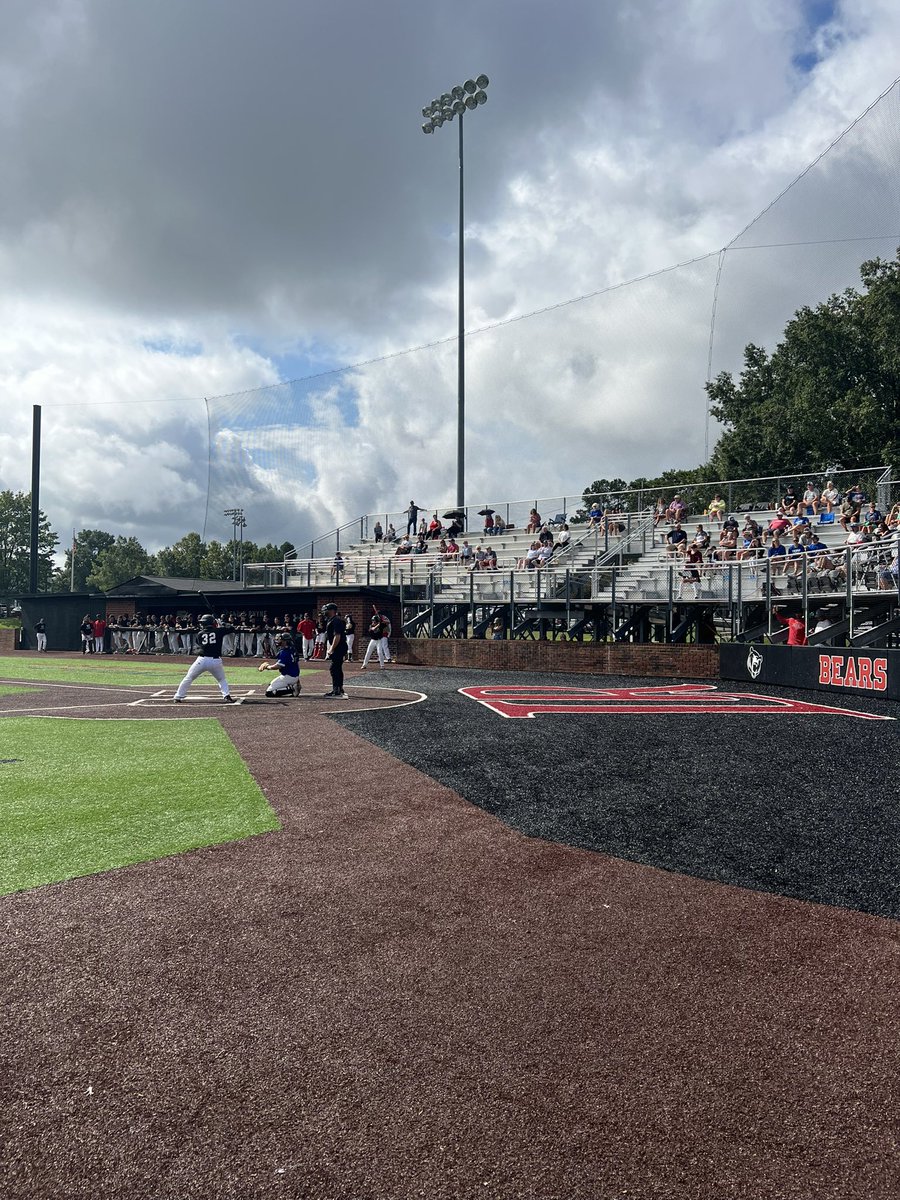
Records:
x=800, y=805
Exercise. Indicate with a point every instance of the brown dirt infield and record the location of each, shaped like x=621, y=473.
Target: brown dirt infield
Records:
x=397, y=996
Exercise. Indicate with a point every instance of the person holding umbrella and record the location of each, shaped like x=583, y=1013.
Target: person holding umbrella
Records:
x=488, y=514
x=457, y=522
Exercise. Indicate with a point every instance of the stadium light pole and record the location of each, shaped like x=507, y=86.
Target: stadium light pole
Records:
x=464, y=97
x=238, y=525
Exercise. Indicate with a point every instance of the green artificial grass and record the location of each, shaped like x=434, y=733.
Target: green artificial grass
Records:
x=123, y=672
x=83, y=796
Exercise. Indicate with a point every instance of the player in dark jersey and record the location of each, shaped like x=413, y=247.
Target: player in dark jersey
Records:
x=288, y=665
x=335, y=650
x=209, y=639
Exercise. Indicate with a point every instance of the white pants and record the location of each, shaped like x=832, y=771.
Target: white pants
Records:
x=184, y=643
x=375, y=646
x=385, y=649
x=308, y=644
x=248, y=637
x=283, y=683
x=197, y=667
x=98, y=645
x=351, y=638
x=41, y=641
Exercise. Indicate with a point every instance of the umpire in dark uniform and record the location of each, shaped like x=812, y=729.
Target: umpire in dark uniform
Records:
x=335, y=650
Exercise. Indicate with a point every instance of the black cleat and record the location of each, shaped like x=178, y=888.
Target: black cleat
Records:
x=229, y=699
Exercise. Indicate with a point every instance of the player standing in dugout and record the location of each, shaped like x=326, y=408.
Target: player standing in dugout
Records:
x=209, y=639
x=335, y=650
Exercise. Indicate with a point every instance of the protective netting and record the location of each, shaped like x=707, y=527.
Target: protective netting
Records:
x=311, y=455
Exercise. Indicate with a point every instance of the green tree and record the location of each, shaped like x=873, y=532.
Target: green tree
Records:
x=271, y=553
x=15, y=544
x=124, y=559
x=89, y=545
x=830, y=391
x=184, y=559
x=217, y=561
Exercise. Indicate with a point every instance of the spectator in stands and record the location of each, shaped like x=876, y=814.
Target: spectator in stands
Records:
x=337, y=567
x=856, y=536
x=422, y=531
x=391, y=535
x=529, y=560
x=378, y=531
x=451, y=554
x=750, y=545
x=659, y=511
x=727, y=547
x=490, y=559
x=595, y=516
x=499, y=524
x=434, y=527
x=488, y=524
x=818, y=552
x=872, y=515
x=716, y=509
x=442, y=548
x=412, y=518
x=404, y=546
x=789, y=501
x=830, y=497
x=858, y=496
x=778, y=525
x=795, y=552
x=847, y=514
x=466, y=554
x=796, y=628
x=893, y=517
x=801, y=521
x=545, y=553
x=545, y=537
x=455, y=528
x=777, y=555
x=693, y=560
x=478, y=561
x=421, y=546
x=701, y=538
x=811, y=499
x=563, y=538
x=534, y=521
x=677, y=510
x=676, y=540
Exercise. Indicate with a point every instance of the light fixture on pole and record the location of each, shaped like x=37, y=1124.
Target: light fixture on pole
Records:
x=455, y=103
x=238, y=525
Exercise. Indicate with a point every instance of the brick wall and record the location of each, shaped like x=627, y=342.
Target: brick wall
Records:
x=7, y=640
x=667, y=662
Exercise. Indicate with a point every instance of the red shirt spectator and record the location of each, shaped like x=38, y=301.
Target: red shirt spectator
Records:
x=796, y=628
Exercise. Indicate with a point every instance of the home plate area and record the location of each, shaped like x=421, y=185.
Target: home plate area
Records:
x=778, y=790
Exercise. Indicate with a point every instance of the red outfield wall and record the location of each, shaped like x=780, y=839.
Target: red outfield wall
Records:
x=668, y=662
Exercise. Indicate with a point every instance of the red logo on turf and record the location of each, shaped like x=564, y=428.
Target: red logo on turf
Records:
x=522, y=700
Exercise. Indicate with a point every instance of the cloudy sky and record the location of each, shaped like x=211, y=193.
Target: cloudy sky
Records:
x=200, y=198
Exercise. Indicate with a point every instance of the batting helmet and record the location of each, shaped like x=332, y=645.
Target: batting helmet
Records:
x=327, y=608
x=207, y=621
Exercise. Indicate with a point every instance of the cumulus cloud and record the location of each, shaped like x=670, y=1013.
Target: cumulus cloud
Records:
x=202, y=199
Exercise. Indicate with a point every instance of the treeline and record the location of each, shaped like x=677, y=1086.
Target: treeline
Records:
x=828, y=395
x=103, y=560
